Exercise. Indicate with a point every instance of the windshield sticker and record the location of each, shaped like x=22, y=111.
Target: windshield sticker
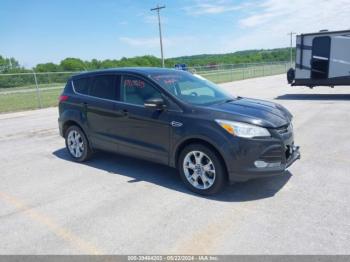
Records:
x=167, y=79
x=134, y=83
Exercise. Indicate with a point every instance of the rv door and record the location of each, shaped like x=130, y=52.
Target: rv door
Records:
x=321, y=47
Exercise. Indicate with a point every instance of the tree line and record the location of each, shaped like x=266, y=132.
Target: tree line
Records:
x=11, y=65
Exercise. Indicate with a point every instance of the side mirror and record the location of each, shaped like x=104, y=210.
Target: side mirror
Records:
x=155, y=103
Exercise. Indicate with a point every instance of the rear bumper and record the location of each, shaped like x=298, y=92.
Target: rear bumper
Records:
x=60, y=127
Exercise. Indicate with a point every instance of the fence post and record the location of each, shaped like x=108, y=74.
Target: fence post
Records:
x=49, y=78
x=263, y=69
x=271, y=69
x=37, y=90
x=243, y=71
x=219, y=76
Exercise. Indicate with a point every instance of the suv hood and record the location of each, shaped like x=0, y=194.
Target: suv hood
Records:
x=254, y=111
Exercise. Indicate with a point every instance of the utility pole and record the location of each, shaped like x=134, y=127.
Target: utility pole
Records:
x=291, y=48
x=160, y=30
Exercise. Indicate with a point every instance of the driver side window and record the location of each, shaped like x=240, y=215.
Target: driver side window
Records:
x=136, y=91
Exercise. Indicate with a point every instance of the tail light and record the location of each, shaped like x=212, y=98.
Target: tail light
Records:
x=63, y=98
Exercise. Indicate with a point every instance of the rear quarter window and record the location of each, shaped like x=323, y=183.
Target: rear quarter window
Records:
x=68, y=86
x=81, y=85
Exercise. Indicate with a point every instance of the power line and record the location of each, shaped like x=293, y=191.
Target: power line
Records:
x=160, y=30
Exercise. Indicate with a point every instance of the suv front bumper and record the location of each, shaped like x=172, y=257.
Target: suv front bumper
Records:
x=254, y=158
x=294, y=157
x=255, y=172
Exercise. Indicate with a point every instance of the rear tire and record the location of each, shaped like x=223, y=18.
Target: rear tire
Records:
x=77, y=144
x=290, y=75
x=201, y=169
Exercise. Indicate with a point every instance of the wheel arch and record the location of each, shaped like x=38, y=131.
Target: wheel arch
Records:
x=73, y=117
x=68, y=124
x=197, y=140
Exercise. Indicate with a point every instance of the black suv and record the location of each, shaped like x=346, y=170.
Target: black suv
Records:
x=178, y=119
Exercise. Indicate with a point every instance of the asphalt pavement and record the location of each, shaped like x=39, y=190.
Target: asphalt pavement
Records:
x=120, y=205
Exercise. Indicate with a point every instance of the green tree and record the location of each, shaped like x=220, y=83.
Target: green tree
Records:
x=47, y=67
x=8, y=64
x=73, y=64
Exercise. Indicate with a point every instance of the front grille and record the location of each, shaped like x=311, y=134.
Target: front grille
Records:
x=272, y=155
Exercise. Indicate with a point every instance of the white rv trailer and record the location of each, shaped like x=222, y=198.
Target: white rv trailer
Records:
x=322, y=59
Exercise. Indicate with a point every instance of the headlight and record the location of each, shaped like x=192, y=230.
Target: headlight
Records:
x=242, y=129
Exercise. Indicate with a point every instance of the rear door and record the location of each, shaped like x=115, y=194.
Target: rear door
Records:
x=321, y=47
x=142, y=132
x=100, y=110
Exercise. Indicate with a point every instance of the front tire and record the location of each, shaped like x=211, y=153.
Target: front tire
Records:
x=77, y=144
x=202, y=169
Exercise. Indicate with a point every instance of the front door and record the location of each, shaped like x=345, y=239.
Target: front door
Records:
x=142, y=132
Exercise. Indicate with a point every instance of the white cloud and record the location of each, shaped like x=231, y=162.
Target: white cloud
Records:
x=151, y=19
x=123, y=22
x=148, y=42
x=212, y=7
x=268, y=23
x=153, y=42
x=148, y=17
x=173, y=46
x=263, y=25
x=300, y=14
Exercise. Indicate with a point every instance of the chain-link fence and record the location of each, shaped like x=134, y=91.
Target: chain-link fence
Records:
x=31, y=90
x=38, y=90
x=233, y=72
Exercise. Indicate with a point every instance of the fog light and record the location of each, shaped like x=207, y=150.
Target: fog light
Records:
x=260, y=164
x=263, y=164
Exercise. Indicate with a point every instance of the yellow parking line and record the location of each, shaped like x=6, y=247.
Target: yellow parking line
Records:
x=59, y=231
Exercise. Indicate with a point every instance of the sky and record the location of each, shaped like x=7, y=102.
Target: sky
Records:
x=40, y=31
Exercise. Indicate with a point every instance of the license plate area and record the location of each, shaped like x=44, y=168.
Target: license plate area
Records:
x=289, y=150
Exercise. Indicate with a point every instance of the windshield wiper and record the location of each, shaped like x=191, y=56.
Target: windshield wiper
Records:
x=227, y=101
x=223, y=101
x=230, y=100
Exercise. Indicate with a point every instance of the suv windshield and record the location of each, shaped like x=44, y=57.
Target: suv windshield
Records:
x=191, y=88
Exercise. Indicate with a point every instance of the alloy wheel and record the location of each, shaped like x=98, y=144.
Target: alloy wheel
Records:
x=199, y=170
x=75, y=143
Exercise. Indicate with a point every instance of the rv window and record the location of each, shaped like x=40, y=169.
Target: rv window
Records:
x=321, y=46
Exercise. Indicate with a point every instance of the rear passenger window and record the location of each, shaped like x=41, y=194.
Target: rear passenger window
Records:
x=105, y=86
x=81, y=85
